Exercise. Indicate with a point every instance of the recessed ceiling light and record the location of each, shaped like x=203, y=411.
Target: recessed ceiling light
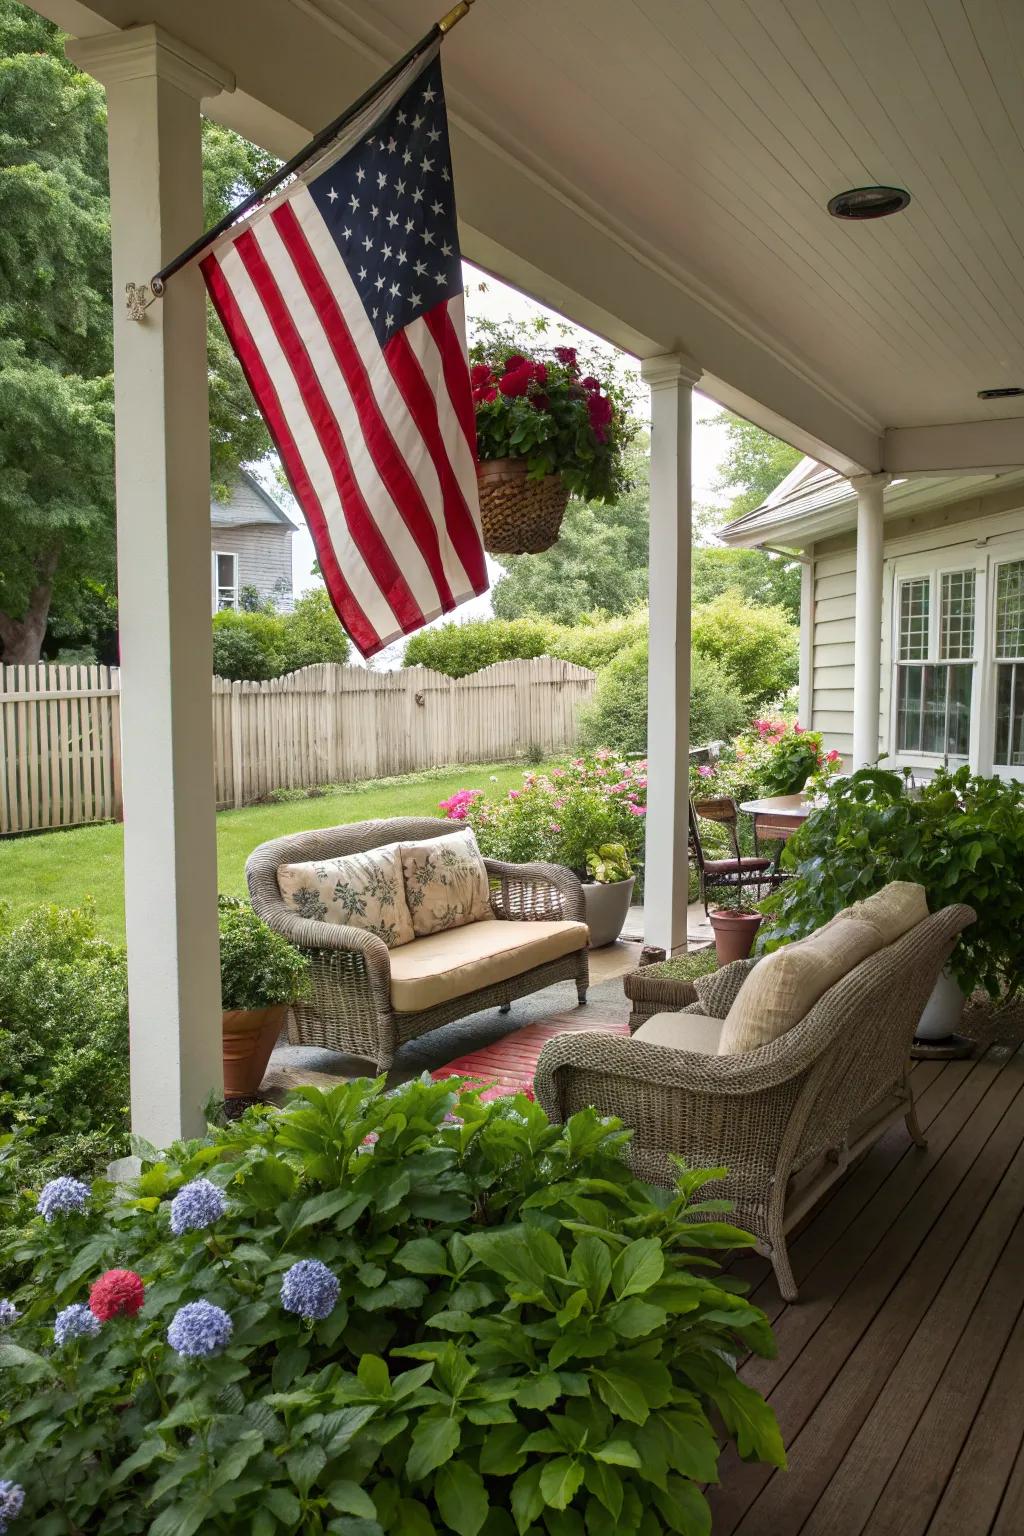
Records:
x=868, y=202
x=1000, y=394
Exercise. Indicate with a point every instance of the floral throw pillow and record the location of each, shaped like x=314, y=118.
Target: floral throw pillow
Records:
x=361, y=890
x=446, y=883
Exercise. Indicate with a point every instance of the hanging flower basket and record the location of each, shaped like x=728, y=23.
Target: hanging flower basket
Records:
x=519, y=516
x=546, y=430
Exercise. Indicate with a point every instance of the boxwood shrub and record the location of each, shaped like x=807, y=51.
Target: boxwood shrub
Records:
x=514, y=1337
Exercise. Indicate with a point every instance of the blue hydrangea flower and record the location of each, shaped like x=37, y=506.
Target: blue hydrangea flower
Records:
x=196, y=1206
x=12, y=1497
x=59, y=1195
x=199, y=1330
x=75, y=1322
x=310, y=1289
x=8, y=1313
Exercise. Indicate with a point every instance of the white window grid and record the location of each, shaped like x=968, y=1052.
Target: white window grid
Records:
x=1009, y=641
x=957, y=614
x=914, y=618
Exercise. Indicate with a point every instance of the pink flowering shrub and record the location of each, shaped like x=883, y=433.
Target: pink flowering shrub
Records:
x=775, y=757
x=562, y=815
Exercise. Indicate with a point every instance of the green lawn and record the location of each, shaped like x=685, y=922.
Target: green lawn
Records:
x=87, y=863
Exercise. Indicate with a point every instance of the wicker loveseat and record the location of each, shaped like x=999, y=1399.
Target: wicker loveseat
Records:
x=366, y=997
x=785, y=1119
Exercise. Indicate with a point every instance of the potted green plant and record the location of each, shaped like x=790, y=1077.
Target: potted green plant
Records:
x=735, y=921
x=261, y=976
x=547, y=428
x=607, y=892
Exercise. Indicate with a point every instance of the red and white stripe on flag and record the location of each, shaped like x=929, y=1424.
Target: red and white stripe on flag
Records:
x=343, y=301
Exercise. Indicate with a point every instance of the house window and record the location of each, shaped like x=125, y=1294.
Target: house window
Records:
x=1009, y=656
x=935, y=668
x=225, y=581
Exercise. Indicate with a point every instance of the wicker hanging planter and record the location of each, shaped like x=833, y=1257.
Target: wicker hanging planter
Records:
x=519, y=516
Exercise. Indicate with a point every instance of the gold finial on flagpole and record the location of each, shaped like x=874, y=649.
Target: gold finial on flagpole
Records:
x=454, y=16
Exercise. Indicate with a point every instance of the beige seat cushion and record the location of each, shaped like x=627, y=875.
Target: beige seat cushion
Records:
x=441, y=966
x=446, y=882
x=784, y=986
x=360, y=890
x=894, y=910
x=682, y=1032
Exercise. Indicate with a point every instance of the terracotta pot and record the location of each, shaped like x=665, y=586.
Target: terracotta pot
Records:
x=250, y=1035
x=734, y=933
x=605, y=908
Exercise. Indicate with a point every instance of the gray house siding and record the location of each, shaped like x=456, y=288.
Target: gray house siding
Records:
x=264, y=557
x=252, y=527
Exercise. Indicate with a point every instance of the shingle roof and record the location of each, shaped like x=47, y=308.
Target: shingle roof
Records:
x=249, y=503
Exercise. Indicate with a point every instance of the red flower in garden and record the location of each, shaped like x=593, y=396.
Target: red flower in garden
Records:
x=119, y=1291
x=516, y=383
x=480, y=374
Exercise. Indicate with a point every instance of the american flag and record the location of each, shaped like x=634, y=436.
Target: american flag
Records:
x=343, y=300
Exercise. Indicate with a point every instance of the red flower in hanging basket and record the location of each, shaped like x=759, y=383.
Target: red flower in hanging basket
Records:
x=515, y=362
x=567, y=357
x=516, y=383
x=480, y=374
x=541, y=402
x=591, y=385
x=600, y=411
x=485, y=392
x=118, y=1291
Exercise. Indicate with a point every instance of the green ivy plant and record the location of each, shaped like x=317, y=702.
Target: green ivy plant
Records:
x=609, y=864
x=258, y=968
x=961, y=836
x=525, y=1340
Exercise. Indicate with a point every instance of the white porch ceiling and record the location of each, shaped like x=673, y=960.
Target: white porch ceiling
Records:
x=659, y=170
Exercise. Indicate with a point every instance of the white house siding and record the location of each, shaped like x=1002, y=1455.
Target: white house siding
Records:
x=966, y=532
x=264, y=556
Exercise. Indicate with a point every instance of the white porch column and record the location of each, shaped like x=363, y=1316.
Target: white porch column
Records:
x=867, y=650
x=154, y=87
x=671, y=379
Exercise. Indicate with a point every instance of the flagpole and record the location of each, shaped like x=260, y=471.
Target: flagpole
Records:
x=320, y=141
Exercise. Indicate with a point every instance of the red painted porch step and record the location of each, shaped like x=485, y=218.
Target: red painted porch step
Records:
x=508, y=1065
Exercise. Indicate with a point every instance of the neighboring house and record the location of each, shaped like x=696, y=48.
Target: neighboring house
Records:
x=251, y=546
x=952, y=612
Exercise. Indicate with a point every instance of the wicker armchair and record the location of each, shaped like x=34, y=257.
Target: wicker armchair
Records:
x=785, y=1120
x=350, y=1009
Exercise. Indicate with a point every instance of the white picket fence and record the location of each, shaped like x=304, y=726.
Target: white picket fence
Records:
x=60, y=744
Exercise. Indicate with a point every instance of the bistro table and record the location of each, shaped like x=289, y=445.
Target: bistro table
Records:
x=777, y=817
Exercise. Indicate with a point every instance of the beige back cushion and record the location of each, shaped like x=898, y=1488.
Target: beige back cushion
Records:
x=361, y=890
x=446, y=884
x=893, y=910
x=784, y=986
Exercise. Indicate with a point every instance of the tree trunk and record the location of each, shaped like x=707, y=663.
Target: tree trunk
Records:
x=22, y=639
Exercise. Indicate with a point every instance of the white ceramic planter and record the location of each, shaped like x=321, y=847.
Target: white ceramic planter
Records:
x=943, y=1010
x=606, y=908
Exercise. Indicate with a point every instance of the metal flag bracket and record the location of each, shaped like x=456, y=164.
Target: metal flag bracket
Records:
x=138, y=299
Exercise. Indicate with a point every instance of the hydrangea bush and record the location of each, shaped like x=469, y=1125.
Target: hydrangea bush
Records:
x=411, y=1313
x=561, y=816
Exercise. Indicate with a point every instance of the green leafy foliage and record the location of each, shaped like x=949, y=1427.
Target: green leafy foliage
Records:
x=527, y=1340
x=758, y=647
x=257, y=645
x=763, y=580
x=609, y=863
x=961, y=836
x=258, y=968
x=56, y=338
x=755, y=463
x=618, y=714
x=459, y=649
x=63, y=1047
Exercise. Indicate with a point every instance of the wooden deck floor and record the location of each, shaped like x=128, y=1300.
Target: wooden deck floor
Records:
x=899, y=1382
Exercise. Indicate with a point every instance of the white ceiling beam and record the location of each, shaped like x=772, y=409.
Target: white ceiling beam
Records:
x=962, y=447
x=295, y=67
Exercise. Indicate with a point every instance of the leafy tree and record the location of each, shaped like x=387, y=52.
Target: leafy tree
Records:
x=56, y=350
x=758, y=647
x=617, y=717
x=767, y=581
x=755, y=463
